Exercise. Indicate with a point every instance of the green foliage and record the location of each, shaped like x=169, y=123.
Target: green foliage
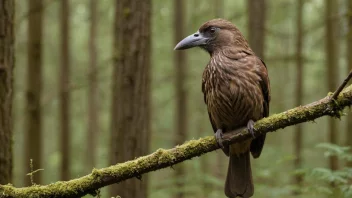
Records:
x=322, y=181
x=342, y=152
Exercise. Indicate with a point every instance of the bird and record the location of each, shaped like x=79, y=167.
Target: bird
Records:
x=236, y=89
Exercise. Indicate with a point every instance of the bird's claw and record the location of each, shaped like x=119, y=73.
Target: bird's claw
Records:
x=250, y=127
x=219, y=140
x=218, y=137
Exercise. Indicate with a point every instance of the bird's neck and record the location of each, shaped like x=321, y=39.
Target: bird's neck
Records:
x=231, y=52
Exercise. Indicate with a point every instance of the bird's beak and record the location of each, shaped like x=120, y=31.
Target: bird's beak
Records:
x=193, y=40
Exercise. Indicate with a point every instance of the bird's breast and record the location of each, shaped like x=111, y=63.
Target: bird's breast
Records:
x=232, y=98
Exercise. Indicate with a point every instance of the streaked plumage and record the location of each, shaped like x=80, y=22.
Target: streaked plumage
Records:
x=236, y=90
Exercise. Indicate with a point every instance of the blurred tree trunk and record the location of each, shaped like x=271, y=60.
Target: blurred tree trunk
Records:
x=222, y=159
x=256, y=25
x=205, y=187
x=349, y=68
x=299, y=90
x=7, y=60
x=181, y=95
x=64, y=91
x=130, y=116
x=332, y=65
x=33, y=143
x=93, y=118
x=219, y=8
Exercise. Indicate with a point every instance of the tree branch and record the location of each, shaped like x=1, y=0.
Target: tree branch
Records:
x=164, y=158
x=343, y=84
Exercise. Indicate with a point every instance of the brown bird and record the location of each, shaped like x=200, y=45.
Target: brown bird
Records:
x=236, y=90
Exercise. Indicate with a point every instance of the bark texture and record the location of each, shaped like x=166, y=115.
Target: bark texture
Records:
x=181, y=93
x=7, y=61
x=256, y=25
x=93, y=119
x=332, y=52
x=64, y=91
x=33, y=140
x=221, y=161
x=299, y=89
x=130, y=126
x=349, y=68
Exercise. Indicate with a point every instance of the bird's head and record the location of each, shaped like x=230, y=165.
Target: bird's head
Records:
x=214, y=35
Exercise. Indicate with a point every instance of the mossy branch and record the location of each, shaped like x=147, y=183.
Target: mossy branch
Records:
x=164, y=158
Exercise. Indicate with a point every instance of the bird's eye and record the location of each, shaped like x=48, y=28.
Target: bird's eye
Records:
x=212, y=30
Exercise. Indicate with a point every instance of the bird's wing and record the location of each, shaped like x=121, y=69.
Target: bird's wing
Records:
x=237, y=54
x=205, y=100
x=258, y=143
x=265, y=85
x=212, y=123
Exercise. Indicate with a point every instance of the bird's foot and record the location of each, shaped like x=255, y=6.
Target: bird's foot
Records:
x=218, y=136
x=250, y=127
x=219, y=140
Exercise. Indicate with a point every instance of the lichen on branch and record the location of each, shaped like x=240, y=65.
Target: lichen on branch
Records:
x=165, y=158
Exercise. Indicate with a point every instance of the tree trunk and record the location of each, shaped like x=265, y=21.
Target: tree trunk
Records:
x=222, y=160
x=299, y=90
x=64, y=91
x=181, y=95
x=7, y=60
x=93, y=118
x=205, y=186
x=33, y=140
x=219, y=8
x=256, y=25
x=130, y=124
x=349, y=68
x=332, y=66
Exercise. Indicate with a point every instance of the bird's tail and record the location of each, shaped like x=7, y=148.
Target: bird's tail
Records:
x=239, y=177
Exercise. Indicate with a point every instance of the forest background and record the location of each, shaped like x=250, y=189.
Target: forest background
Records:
x=67, y=61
